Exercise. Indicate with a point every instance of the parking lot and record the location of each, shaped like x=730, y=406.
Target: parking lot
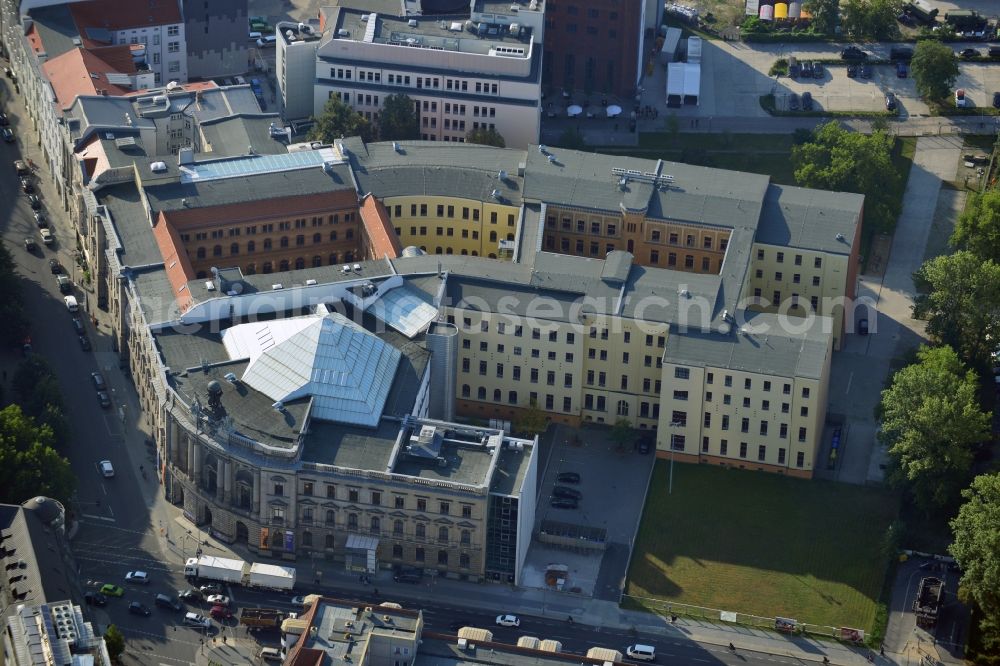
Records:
x=613, y=486
x=735, y=76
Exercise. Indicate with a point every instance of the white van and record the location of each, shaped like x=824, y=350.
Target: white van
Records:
x=267, y=42
x=270, y=654
x=641, y=652
x=254, y=36
x=71, y=303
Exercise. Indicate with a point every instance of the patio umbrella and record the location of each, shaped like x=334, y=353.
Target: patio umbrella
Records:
x=574, y=110
x=614, y=111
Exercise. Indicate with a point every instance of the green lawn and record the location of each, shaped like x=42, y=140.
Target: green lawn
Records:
x=763, y=544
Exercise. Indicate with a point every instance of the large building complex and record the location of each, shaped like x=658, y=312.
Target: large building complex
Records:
x=465, y=68
x=321, y=332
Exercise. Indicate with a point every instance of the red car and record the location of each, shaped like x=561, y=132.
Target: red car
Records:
x=220, y=612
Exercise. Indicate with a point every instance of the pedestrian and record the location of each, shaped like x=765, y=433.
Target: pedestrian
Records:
x=881, y=650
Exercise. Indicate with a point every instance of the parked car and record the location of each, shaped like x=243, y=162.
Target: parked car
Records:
x=104, y=399
x=30, y=245
x=78, y=326
x=135, y=608
x=40, y=220
x=94, y=599
x=34, y=201
x=110, y=590
x=645, y=443
x=563, y=503
x=902, y=70
x=410, y=575
x=55, y=267
x=807, y=69
x=98, y=380
x=508, y=621
x=196, y=620
x=852, y=71
x=84, y=342
x=968, y=54
x=866, y=71
x=567, y=493
x=27, y=186
x=996, y=100
x=47, y=237
x=853, y=53
x=65, y=284
x=107, y=471
x=817, y=70
x=890, y=101
x=4, y=120
x=793, y=102
x=962, y=100
x=794, y=67
x=137, y=577
x=8, y=135
x=568, y=477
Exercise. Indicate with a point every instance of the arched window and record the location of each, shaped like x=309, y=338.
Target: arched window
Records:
x=300, y=240
x=475, y=253
x=512, y=397
x=283, y=266
x=463, y=560
x=466, y=537
x=300, y=263
x=234, y=248
x=397, y=527
x=491, y=255
x=317, y=238
x=443, y=534
x=420, y=531
x=466, y=390
x=352, y=521
x=333, y=259
x=448, y=250
x=317, y=261
x=497, y=395
x=443, y=557
x=376, y=525
x=465, y=253
x=217, y=251
x=333, y=235
x=329, y=541
x=251, y=247
x=438, y=250
x=510, y=237
x=284, y=241
x=307, y=539
x=481, y=393
x=397, y=551
x=622, y=408
x=200, y=253
x=268, y=244
x=331, y=517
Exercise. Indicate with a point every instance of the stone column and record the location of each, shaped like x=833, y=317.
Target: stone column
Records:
x=258, y=479
x=227, y=490
x=220, y=480
x=195, y=463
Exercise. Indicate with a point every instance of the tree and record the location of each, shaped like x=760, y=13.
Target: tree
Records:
x=934, y=69
x=978, y=227
x=825, y=14
x=621, y=433
x=40, y=397
x=486, y=137
x=841, y=160
x=15, y=324
x=533, y=420
x=339, y=120
x=873, y=19
x=958, y=295
x=115, y=642
x=976, y=548
x=29, y=465
x=398, y=119
x=930, y=420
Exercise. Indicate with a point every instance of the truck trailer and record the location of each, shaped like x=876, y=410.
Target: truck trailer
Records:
x=238, y=572
x=928, y=601
x=261, y=618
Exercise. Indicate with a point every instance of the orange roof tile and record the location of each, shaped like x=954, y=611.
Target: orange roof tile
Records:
x=382, y=238
x=118, y=15
x=82, y=72
x=35, y=40
x=175, y=258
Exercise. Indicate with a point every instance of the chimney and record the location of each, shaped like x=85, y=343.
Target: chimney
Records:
x=185, y=156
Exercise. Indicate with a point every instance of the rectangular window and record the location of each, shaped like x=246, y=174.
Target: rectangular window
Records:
x=800, y=457
x=682, y=373
x=761, y=452
x=680, y=395
x=724, y=447
x=745, y=425
x=802, y=434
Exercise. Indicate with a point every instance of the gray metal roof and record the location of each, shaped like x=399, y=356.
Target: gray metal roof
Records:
x=466, y=463
x=98, y=112
x=431, y=168
x=158, y=301
x=215, y=103
x=139, y=247
x=351, y=446
x=810, y=219
x=56, y=28
x=766, y=347
x=233, y=134
x=43, y=577
x=617, y=265
x=204, y=194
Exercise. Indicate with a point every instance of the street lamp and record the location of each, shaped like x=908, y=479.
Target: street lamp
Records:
x=670, y=485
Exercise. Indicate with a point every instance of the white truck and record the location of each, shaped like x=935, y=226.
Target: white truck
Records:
x=270, y=576
x=215, y=568
x=238, y=572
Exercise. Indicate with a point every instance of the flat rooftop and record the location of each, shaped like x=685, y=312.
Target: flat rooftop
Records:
x=435, y=651
x=465, y=463
x=440, y=33
x=353, y=447
x=343, y=628
x=512, y=466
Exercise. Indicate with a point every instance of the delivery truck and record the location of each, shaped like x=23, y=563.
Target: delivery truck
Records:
x=238, y=572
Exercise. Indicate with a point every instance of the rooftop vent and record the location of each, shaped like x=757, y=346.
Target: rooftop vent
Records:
x=357, y=268
x=346, y=268
x=412, y=23
x=209, y=285
x=277, y=286
x=840, y=237
x=231, y=377
x=158, y=167
x=310, y=282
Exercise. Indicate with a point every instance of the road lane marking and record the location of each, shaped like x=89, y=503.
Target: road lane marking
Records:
x=93, y=517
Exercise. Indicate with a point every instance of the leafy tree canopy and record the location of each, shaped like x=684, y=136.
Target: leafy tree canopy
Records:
x=486, y=137
x=339, y=120
x=398, y=119
x=29, y=465
x=934, y=69
x=825, y=14
x=872, y=19
x=976, y=547
x=978, y=227
x=15, y=324
x=533, y=420
x=959, y=295
x=930, y=420
x=115, y=642
x=841, y=160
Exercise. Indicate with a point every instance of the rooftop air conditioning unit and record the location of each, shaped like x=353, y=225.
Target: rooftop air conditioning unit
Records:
x=346, y=268
x=310, y=282
x=277, y=286
x=357, y=268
